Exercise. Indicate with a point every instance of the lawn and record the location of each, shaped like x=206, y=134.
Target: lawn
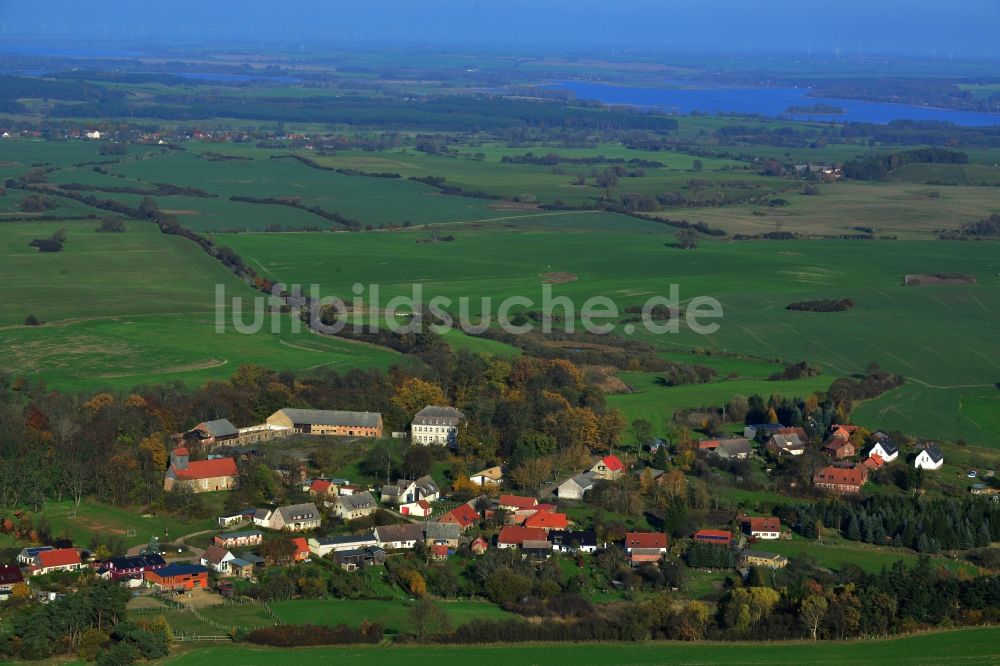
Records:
x=91, y=518
x=395, y=614
x=841, y=552
x=966, y=646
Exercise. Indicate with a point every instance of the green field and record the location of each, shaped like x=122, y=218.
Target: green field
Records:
x=395, y=614
x=940, y=335
x=966, y=646
x=836, y=553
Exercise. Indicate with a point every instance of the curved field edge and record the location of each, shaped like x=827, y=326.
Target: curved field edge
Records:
x=979, y=645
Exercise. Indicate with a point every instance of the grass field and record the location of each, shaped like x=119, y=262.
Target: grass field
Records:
x=90, y=518
x=837, y=552
x=902, y=209
x=965, y=646
x=395, y=614
x=940, y=339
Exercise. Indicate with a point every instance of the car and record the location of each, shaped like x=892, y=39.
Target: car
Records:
x=972, y=474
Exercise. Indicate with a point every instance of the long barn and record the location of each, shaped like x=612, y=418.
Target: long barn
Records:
x=327, y=422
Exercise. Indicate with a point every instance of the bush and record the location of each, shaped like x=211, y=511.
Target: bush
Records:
x=32, y=320
x=823, y=305
x=294, y=635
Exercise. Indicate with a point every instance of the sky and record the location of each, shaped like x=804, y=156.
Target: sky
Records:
x=960, y=28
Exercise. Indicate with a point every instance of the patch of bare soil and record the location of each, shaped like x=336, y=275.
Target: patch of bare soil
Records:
x=558, y=277
x=181, y=211
x=605, y=377
x=512, y=205
x=920, y=279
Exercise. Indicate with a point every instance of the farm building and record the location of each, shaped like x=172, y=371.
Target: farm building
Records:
x=759, y=558
x=212, y=433
x=575, y=487
x=131, y=567
x=239, y=539
x=780, y=444
x=720, y=537
x=327, y=422
x=436, y=425
x=323, y=546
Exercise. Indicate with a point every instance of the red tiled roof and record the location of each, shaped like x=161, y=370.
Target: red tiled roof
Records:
x=514, y=535
x=181, y=451
x=464, y=515
x=301, y=545
x=518, y=501
x=873, y=461
x=424, y=504
x=545, y=507
x=855, y=475
x=714, y=535
x=645, y=540
x=613, y=463
x=321, y=486
x=207, y=469
x=439, y=550
x=58, y=558
x=708, y=444
x=765, y=524
x=547, y=520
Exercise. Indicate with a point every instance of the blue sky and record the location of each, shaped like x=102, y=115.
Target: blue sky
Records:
x=928, y=27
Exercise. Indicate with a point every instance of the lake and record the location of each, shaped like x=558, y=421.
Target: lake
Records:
x=770, y=102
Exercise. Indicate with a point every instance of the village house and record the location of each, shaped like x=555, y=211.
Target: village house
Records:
x=405, y=491
x=352, y=507
x=760, y=558
x=780, y=444
x=884, y=447
x=929, y=458
x=131, y=567
x=323, y=546
x=733, y=449
x=178, y=577
x=418, y=509
x=59, y=559
x=838, y=448
x=436, y=425
x=565, y=541
x=547, y=520
x=766, y=527
x=608, y=468
x=302, y=551
x=516, y=502
x=200, y=475
x=479, y=546
x=11, y=582
x=399, y=537
x=296, y=518
x=327, y=422
x=439, y=552
x=442, y=533
x=980, y=488
x=217, y=559
x=718, y=537
x=322, y=489
x=262, y=517
x=464, y=516
x=842, y=431
x=241, y=568
x=576, y=487
x=352, y=559
x=239, y=539
x=246, y=515
x=845, y=479
x=645, y=546
x=512, y=536
x=486, y=477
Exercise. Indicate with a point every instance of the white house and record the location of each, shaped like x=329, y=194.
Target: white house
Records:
x=436, y=425
x=885, y=449
x=493, y=475
x=217, y=559
x=323, y=546
x=418, y=509
x=262, y=517
x=358, y=505
x=93, y=135
x=929, y=458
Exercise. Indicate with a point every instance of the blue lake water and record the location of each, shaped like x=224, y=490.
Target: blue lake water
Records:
x=770, y=102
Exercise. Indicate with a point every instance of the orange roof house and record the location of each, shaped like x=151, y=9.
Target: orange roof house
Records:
x=517, y=502
x=644, y=540
x=512, y=536
x=548, y=520
x=841, y=478
x=464, y=516
x=301, y=549
x=199, y=475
